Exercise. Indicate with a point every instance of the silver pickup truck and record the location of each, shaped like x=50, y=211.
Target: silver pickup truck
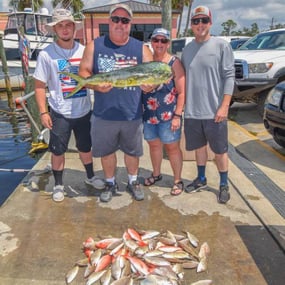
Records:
x=259, y=66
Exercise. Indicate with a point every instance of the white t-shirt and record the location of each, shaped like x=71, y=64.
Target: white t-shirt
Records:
x=50, y=62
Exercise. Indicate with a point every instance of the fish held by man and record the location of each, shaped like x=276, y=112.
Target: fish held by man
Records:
x=146, y=73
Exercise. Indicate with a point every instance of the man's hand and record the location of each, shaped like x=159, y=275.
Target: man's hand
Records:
x=103, y=88
x=222, y=114
x=46, y=120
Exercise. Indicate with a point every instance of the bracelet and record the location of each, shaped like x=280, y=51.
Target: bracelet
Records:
x=43, y=113
x=176, y=115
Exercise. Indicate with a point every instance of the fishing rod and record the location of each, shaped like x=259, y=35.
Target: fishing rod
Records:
x=15, y=170
x=47, y=169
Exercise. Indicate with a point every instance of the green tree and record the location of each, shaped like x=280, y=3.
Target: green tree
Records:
x=76, y=5
x=246, y=31
x=176, y=5
x=20, y=5
x=228, y=26
x=254, y=29
x=278, y=26
x=188, y=17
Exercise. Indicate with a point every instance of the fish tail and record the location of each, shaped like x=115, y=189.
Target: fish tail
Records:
x=80, y=81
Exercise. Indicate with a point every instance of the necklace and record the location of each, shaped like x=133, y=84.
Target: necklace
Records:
x=66, y=56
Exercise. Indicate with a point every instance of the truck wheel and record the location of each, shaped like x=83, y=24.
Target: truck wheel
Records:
x=279, y=140
x=260, y=102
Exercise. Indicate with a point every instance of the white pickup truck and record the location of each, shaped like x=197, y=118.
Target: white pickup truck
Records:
x=259, y=65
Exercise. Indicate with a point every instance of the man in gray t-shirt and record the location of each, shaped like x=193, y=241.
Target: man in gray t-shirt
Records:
x=209, y=67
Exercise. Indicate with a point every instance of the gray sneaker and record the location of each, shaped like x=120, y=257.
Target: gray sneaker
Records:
x=58, y=193
x=95, y=182
x=136, y=190
x=108, y=192
x=224, y=194
x=196, y=185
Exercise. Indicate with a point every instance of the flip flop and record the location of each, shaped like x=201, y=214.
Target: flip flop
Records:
x=152, y=180
x=177, y=188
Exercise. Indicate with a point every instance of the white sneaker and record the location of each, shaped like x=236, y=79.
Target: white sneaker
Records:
x=58, y=193
x=96, y=182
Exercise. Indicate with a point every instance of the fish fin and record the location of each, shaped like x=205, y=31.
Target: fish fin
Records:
x=79, y=79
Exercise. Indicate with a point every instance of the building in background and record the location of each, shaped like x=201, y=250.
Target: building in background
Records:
x=146, y=18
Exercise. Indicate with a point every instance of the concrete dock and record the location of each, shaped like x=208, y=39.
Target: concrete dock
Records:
x=41, y=240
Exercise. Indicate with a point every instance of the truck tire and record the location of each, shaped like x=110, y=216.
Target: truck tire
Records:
x=279, y=140
x=260, y=102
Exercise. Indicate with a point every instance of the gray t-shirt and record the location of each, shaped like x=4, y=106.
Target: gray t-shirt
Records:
x=210, y=73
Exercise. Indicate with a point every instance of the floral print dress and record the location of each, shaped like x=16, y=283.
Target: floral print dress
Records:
x=160, y=104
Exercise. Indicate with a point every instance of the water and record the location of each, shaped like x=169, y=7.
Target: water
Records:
x=15, y=143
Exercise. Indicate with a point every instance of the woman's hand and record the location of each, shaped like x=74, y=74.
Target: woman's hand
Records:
x=175, y=124
x=147, y=88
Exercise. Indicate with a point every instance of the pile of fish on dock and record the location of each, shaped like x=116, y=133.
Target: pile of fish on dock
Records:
x=142, y=257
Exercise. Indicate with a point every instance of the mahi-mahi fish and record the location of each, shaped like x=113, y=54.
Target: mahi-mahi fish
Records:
x=153, y=72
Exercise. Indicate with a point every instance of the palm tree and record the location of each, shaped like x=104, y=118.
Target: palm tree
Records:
x=188, y=17
x=177, y=5
x=76, y=5
x=20, y=5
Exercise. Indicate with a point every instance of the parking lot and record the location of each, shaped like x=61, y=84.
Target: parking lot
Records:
x=246, y=115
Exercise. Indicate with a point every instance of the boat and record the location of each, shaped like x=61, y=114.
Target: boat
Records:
x=15, y=74
x=32, y=26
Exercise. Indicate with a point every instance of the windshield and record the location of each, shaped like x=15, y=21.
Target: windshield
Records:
x=177, y=45
x=33, y=24
x=270, y=40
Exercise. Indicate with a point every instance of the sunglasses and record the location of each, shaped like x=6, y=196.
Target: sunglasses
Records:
x=200, y=20
x=163, y=41
x=117, y=19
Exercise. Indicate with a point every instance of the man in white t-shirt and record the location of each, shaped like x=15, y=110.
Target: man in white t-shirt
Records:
x=66, y=114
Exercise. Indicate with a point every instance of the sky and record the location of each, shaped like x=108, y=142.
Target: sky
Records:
x=242, y=12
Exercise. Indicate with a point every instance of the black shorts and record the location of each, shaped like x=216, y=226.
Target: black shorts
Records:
x=200, y=132
x=61, y=132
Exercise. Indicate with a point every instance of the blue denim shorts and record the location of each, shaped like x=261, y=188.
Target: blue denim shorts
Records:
x=161, y=131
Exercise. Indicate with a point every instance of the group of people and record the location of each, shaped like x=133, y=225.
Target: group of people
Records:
x=201, y=87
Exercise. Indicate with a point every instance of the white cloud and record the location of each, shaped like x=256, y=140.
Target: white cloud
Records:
x=243, y=12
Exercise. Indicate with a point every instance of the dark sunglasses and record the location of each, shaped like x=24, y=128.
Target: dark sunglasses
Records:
x=117, y=19
x=200, y=20
x=163, y=41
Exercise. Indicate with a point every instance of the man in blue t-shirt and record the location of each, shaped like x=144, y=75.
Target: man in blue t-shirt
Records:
x=116, y=122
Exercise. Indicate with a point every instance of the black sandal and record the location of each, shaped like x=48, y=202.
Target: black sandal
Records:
x=177, y=188
x=152, y=180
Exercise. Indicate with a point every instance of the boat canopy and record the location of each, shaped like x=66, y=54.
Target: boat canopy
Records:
x=32, y=23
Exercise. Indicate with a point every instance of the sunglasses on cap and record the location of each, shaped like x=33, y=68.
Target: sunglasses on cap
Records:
x=117, y=19
x=163, y=41
x=200, y=20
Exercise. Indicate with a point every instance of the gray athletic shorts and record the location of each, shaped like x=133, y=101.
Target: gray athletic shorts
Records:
x=200, y=132
x=109, y=136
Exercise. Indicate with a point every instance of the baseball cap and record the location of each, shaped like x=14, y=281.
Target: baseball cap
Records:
x=161, y=32
x=122, y=6
x=60, y=15
x=201, y=10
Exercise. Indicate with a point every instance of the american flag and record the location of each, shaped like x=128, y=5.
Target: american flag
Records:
x=24, y=46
